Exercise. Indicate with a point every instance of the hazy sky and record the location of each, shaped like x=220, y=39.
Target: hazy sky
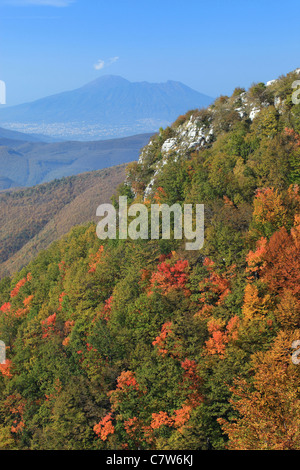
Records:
x=48, y=46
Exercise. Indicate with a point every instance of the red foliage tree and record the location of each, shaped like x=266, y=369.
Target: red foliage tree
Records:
x=48, y=325
x=216, y=344
x=170, y=277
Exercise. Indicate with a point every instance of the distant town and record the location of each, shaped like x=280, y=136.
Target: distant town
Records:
x=85, y=131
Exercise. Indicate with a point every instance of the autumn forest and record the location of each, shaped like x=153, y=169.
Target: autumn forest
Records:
x=141, y=344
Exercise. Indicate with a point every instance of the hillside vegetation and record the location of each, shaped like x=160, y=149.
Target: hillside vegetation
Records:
x=32, y=218
x=139, y=344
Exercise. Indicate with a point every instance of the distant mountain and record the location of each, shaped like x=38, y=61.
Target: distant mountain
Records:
x=108, y=106
x=29, y=163
x=32, y=218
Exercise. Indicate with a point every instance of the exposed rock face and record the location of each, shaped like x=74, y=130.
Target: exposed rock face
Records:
x=199, y=128
x=189, y=136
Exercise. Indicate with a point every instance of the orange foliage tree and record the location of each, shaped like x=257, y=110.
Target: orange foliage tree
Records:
x=268, y=406
x=105, y=427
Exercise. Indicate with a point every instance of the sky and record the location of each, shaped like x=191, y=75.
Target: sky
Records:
x=213, y=46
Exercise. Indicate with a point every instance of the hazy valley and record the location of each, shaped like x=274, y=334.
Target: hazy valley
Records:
x=29, y=163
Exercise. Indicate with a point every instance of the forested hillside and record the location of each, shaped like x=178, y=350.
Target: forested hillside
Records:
x=32, y=218
x=139, y=344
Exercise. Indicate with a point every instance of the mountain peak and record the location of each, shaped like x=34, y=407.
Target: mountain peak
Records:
x=110, y=106
x=107, y=80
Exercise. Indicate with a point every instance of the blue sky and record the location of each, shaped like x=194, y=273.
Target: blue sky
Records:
x=48, y=46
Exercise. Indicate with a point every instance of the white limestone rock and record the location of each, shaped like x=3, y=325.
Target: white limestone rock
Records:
x=253, y=113
x=168, y=145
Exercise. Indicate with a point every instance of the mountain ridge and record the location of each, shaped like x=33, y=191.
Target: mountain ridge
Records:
x=113, y=104
x=27, y=163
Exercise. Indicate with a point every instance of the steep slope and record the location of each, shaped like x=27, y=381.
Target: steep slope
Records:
x=197, y=130
x=33, y=218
